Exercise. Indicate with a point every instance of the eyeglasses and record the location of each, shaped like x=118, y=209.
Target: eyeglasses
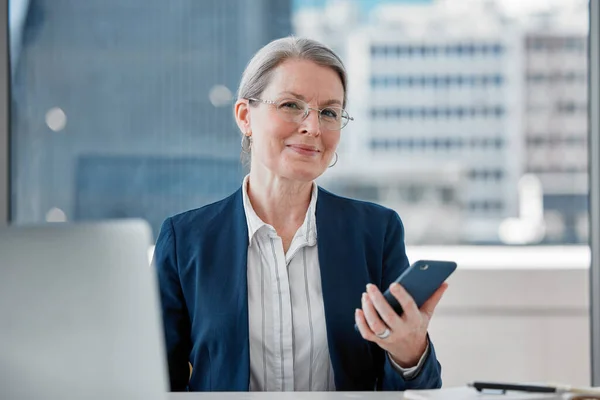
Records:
x=294, y=110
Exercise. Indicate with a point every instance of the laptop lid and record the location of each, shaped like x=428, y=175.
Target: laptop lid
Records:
x=79, y=312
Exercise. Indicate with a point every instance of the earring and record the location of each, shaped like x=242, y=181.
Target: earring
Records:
x=246, y=143
x=336, y=160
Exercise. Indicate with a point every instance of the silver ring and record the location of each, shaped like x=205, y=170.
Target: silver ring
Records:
x=384, y=334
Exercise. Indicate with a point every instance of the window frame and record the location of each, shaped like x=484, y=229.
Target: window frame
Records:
x=4, y=116
x=594, y=184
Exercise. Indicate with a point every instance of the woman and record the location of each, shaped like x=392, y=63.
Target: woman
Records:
x=262, y=290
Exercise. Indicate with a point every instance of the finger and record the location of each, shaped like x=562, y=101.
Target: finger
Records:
x=387, y=313
x=373, y=320
x=429, y=306
x=363, y=327
x=409, y=307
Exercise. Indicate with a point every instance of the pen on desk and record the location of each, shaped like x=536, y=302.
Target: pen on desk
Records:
x=513, y=387
x=504, y=387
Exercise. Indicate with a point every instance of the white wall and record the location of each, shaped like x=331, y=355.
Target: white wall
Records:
x=528, y=322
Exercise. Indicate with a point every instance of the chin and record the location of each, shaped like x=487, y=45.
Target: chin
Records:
x=303, y=173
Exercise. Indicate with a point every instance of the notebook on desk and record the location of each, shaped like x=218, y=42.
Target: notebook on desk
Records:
x=80, y=313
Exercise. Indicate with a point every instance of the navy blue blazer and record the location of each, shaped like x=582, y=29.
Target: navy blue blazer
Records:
x=201, y=259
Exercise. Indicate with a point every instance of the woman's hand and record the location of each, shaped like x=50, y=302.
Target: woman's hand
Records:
x=406, y=340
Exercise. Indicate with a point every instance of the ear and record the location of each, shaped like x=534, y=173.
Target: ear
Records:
x=242, y=115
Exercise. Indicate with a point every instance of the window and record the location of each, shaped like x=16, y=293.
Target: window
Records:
x=447, y=195
x=362, y=192
x=497, y=49
x=437, y=81
x=131, y=117
x=130, y=111
x=486, y=174
x=485, y=206
x=123, y=109
x=414, y=193
x=429, y=113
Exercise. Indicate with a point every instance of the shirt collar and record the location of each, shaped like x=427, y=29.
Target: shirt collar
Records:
x=308, y=229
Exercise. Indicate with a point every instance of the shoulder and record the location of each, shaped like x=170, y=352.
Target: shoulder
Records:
x=194, y=234
x=371, y=231
x=214, y=214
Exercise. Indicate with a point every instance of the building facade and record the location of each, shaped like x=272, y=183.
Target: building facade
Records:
x=144, y=85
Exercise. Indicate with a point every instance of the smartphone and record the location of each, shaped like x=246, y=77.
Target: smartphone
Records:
x=420, y=280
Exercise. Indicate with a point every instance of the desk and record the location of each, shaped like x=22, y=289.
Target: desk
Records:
x=461, y=393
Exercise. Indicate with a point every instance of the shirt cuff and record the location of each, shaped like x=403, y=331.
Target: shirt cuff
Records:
x=410, y=373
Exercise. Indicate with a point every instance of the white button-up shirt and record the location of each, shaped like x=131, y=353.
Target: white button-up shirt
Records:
x=288, y=335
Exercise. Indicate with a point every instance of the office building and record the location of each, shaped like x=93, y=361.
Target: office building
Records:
x=435, y=92
x=124, y=109
x=556, y=120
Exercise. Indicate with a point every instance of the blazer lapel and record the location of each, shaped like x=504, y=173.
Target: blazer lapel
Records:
x=343, y=277
x=233, y=373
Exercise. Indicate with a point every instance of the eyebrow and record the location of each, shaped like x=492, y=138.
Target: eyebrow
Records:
x=326, y=103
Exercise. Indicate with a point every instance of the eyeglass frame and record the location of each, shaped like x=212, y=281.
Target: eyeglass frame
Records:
x=306, y=110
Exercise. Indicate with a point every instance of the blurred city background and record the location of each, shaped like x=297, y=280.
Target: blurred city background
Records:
x=470, y=121
x=470, y=116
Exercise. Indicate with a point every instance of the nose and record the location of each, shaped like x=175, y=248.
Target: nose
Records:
x=310, y=125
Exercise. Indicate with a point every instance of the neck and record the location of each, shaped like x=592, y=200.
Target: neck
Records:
x=279, y=202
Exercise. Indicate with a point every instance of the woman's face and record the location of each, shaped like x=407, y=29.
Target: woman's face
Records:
x=300, y=150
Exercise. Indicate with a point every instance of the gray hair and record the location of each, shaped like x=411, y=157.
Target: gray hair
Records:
x=259, y=71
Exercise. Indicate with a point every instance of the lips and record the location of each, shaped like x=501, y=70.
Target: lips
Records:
x=304, y=149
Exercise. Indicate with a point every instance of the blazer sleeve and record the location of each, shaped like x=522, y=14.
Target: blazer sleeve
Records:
x=175, y=315
x=395, y=262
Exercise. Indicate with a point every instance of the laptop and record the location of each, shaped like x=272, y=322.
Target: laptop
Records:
x=79, y=312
